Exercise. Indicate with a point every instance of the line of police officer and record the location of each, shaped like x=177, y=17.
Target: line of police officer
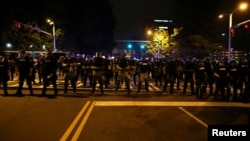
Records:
x=199, y=74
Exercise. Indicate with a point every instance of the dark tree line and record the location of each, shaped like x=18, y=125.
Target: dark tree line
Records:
x=83, y=26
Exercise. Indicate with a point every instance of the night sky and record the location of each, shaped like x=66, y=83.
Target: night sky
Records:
x=131, y=13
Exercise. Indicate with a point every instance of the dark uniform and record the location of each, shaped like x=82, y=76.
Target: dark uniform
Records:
x=12, y=68
x=39, y=67
x=228, y=88
x=4, y=74
x=49, y=68
x=247, y=85
x=169, y=75
x=123, y=68
x=242, y=69
x=209, y=67
x=200, y=78
x=107, y=68
x=79, y=69
x=33, y=75
x=179, y=72
x=143, y=68
x=97, y=73
x=69, y=70
x=24, y=68
x=157, y=73
x=188, y=71
x=132, y=71
x=234, y=78
x=221, y=77
x=60, y=67
x=87, y=71
x=115, y=69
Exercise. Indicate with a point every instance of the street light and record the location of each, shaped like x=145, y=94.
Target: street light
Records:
x=54, y=33
x=8, y=45
x=242, y=6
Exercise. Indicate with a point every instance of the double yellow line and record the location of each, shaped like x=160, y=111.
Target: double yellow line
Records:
x=89, y=106
x=76, y=120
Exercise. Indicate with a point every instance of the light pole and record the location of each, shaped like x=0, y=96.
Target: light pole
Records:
x=54, y=33
x=242, y=6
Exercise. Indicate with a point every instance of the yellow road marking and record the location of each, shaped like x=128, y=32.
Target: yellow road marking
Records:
x=73, y=124
x=170, y=103
x=81, y=126
x=140, y=103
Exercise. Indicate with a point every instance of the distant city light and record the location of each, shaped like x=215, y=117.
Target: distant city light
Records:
x=142, y=46
x=8, y=45
x=44, y=47
x=163, y=21
x=163, y=27
x=129, y=46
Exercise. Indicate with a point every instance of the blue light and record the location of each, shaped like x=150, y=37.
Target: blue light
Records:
x=129, y=46
x=142, y=46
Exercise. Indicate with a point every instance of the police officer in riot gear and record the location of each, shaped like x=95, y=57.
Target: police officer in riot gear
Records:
x=107, y=69
x=143, y=68
x=87, y=71
x=156, y=71
x=24, y=70
x=79, y=69
x=221, y=74
x=97, y=68
x=188, y=71
x=48, y=70
x=4, y=73
x=209, y=68
x=123, y=67
x=179, y=72
x=169, y=75
x=69, y=65
x=132, y=71
x=233, y=79
x=200, y=78
x=242, y=71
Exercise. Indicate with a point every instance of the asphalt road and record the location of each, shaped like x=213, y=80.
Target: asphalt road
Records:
x=147, y=117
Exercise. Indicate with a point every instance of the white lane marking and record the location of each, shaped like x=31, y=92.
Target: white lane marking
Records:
x=82, y=124
x=73, y=124
x=170, y=103
x=194, y=117
x=156, y=88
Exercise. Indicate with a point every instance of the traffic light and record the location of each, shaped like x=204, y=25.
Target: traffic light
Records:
x=142, y=46
x=18, y=25
x=232, y=32
x=246, y=26
x=130, y=46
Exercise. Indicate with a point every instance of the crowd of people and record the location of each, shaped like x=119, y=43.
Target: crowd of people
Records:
x=221, y=79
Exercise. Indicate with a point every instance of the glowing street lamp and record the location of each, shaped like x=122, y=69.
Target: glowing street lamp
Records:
x=8, y=45
x=54, y=33
x=242, y=6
